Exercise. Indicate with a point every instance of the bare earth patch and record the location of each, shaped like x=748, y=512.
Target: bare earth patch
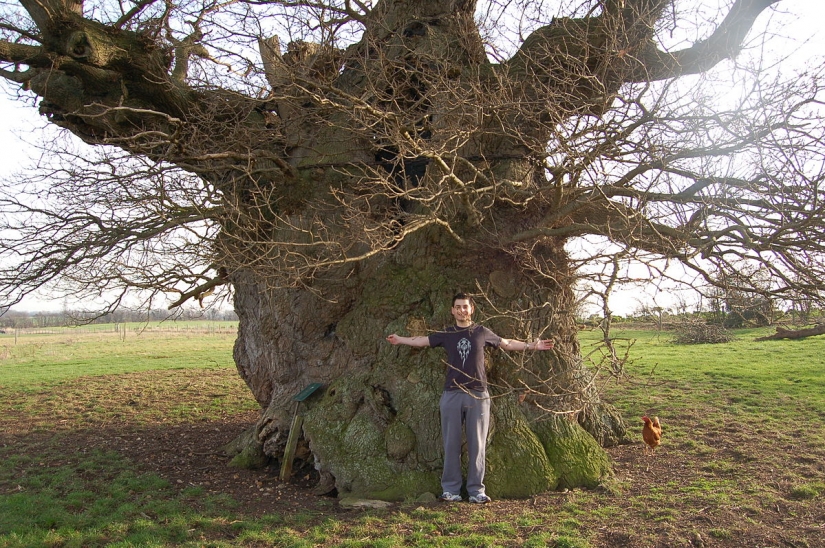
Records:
x=732, y=485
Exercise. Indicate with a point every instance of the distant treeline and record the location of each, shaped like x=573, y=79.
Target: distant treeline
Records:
x=22, y=320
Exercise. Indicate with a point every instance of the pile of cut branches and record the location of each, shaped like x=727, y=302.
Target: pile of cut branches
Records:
x=700, y=332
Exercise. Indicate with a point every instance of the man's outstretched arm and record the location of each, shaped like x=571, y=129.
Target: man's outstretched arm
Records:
x=511, y=344
x=409, y=341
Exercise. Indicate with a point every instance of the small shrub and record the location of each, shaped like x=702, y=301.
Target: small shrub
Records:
x=698, y=332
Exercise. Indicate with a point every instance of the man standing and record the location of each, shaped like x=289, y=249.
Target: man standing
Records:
x=465, y=402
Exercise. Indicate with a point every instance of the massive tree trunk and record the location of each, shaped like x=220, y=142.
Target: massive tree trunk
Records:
x=357, y=195
x=375, y=424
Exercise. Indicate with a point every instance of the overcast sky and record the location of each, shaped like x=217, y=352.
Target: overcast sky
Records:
x=797, y=22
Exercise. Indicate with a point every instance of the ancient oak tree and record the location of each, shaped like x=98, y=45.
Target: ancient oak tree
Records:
x=344, y=166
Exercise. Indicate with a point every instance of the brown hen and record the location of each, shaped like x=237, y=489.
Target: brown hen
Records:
x=652, y=433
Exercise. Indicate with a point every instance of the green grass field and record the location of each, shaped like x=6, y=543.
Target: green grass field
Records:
x=776, y=379
x=742, y=461
x=51, y=355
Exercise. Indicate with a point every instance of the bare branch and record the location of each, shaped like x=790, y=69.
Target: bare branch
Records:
x=725, y=43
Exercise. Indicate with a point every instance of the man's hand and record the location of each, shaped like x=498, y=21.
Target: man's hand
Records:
x=546, y=344
x=394, y=339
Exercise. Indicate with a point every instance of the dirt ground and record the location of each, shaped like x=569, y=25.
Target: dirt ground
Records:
x=188, y=456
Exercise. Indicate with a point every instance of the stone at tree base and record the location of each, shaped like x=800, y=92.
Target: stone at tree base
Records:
x=353, y=502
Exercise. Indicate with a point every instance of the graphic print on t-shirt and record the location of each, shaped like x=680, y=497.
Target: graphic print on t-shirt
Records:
x=464, y=346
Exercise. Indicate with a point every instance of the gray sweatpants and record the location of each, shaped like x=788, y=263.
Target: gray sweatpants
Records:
x=460, y=410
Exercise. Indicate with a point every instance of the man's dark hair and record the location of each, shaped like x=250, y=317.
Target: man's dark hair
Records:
x=461, y=295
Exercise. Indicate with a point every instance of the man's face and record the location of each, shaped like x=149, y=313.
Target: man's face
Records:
x=462, y=311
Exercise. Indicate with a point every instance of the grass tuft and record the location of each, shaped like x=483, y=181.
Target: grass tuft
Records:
x=808, y=491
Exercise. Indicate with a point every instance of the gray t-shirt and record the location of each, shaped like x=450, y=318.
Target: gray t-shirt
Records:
x=465, y=355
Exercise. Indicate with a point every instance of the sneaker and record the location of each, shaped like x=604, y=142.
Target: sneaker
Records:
x=449, y=497
x=480, y=498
